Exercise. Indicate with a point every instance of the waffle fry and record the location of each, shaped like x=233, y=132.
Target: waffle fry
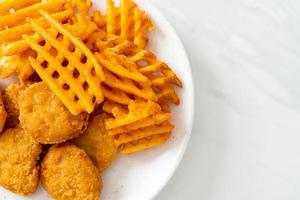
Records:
x=153, y=120
x=162, y=78
x=19, y=17
x=99, y=19
x=15, y=33
x=79, y=6
x=143, y=133
x=136, y=111
x=8, y=6
x=121, y=66
x=74, y=75
x=128, y=86
x=128, y=21
x=143, y=144
x=115, y=95
x=81, y=28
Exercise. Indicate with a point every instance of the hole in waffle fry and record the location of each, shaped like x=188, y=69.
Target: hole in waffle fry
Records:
x=66, y=86
x=12, y=10
x=65, y=21
x=136, y=142
x=122, y=146
x=55, y=74
x=93, y=71
x=44, y=64
x=116, y=137
x=129, y=133
x=65, y=62
x=158, y=74
x=76, y=98
x=53, y=51
x=42, y=43
x=85, y=85
x=83, y=59
x=59, y=37
x=94, y=99
x=71, y=48
x=142, y=63
x=148, y=138
x=76, y=73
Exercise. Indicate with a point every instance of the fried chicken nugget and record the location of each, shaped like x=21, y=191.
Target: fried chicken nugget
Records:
x=97, y=143
x=67, y=173
x=44, y=116
x=3, y=114
x=18, y=161
x=10, y=100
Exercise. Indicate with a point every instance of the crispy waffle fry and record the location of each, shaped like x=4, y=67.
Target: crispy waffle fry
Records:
x=128, y=21
x=16, y=33
x=9, y=6
x=99, y=19
x=74, y=75
x=143, y=133
x=129, y=86
x=19, y=17
x=121, y=66
x=79, y=6
x=136, y=111
x=82, y=27
x=115, y=95
x=143, y=144
x=161, y=76
x=153, y=120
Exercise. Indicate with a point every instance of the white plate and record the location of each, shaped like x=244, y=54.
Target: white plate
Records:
x=141, y=176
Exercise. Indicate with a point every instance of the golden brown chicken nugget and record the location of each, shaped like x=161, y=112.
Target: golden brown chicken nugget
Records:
x=45, y=117
x=97, y=143
x=19, y=153
x=67, y=173
x=3, y=114
x=10, y=100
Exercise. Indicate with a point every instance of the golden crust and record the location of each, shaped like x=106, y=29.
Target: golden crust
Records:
x=3, y=114
x=97, y=143
x=18, y=161
x=45, y=117
x=10, y=100
x=67, y=173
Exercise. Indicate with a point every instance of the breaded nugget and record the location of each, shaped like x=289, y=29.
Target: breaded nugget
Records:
x=45, y=117
x=10, y=100
x=97, y=143
x=67, y=173
x=3, y=114
x=19, y=153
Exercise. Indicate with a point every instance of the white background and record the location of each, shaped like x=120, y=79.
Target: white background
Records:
x=245, y=57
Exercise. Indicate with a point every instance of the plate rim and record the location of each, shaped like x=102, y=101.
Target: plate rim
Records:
x=155, y=10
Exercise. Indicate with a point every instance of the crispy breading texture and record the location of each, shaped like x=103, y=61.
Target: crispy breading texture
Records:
x=18, y=161
x=45, y=117
x=3, y=114
x=10, y=100
x=97, y=143
x=67, y=173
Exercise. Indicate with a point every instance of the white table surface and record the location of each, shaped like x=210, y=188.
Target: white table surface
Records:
x=245, y=57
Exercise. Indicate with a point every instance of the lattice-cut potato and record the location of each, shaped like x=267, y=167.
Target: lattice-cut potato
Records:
x=145, y=143
x=32, y=11
x=67, y=66
x=128, y=21
x=161, y=76
x=122, y=116
x=141, y=133
x=10, y=6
